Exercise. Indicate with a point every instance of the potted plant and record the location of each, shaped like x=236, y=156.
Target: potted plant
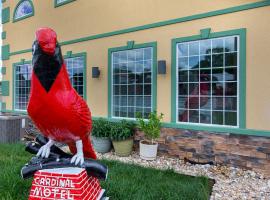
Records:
x=122, y=137
x=151, y=129
x=101, y=135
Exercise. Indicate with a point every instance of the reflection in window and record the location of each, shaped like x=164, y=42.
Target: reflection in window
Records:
x=132, y=78
x=22, y=85
x=208, y=81
x=24, y=9
x=75, y=68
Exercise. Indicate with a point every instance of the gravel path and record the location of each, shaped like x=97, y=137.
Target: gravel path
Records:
x=231, y=183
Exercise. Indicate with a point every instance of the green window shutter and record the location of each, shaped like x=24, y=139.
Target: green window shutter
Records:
x=3, y=70
x=5, y=88
x=4, y=35
x=5, y=52
x=2, y=106
x=5, y=15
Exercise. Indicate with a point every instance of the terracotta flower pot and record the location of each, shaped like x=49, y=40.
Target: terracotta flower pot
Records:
x=123, y=147
x=148, y=151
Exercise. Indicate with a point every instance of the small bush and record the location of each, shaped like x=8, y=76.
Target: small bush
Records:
x=122, y=130
x=101, y=128
x=150, y=127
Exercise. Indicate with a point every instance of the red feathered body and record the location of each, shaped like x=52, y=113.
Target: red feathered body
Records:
x=60, y=113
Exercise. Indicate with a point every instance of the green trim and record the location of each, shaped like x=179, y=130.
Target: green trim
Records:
x=163, y=23
x=3, y=106
x=26, y=16
x=22, y=62
x=61, y=4
x=4, y=35
x=154, y=72
x=5, y=52
x=3, y=70
x=217, y=130
x=69, y=54
x=5, y=15
x=205, y=33
x=130, y=44
x=5, y=88
x=222, y=130
x=3, y=1
x=242, y=79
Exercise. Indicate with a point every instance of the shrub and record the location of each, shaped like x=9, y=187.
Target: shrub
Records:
x=150, y=127
x=101, y=128
x=122, y=130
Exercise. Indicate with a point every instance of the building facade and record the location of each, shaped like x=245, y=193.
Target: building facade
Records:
x=204, y=65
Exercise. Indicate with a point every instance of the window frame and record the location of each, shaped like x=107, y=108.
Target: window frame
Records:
x=241, y=34
x=132, y=46
x=26, y=16
x=14, y=88
x=69, y=54
x=63, y=3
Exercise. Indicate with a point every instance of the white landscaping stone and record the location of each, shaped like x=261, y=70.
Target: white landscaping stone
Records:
x=231, y=183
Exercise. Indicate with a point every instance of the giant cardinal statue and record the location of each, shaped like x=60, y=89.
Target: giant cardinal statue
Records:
x=54, y=105
x=193, y=101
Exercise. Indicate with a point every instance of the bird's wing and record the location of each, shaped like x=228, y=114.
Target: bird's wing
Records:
x=81, y=114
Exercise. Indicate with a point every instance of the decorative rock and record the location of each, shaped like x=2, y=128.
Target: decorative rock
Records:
x=231, y=183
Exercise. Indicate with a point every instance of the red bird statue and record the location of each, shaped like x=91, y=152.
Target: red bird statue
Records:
x=193, y=101
x=54, y=105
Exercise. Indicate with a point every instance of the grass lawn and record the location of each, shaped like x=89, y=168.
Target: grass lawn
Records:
x=125, y=182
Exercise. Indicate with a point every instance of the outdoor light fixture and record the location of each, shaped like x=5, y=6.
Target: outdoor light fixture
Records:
x=162, y=67
x=95, y=72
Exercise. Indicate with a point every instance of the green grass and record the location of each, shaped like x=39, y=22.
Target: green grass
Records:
x=125, y=182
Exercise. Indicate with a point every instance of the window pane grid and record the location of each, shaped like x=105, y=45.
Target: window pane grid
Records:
x=22, y=82
x=22, y=86
x=208, y=81
x=75, y=68
x=132, y=77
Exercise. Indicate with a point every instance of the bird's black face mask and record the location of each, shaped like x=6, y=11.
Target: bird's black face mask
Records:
x=46, y=67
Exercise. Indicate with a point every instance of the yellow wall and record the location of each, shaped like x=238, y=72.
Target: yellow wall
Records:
x=98, y=17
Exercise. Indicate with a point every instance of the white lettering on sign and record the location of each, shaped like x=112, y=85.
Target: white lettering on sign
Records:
x=47, y=192
x=55, y=182
x=53, y=187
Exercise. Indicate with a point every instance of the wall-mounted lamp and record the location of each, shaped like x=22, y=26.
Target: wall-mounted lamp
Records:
x=162, y=67
x=95, y=72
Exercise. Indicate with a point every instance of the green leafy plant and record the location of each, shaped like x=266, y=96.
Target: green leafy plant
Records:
x=101, y=128
x=150, y=127
x=122, y=130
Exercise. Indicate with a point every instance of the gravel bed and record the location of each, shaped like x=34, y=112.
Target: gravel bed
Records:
x=231, y=183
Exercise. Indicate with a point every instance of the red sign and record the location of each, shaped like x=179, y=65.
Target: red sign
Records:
x=64, y=183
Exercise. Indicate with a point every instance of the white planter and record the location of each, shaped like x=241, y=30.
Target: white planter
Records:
x=148, y=151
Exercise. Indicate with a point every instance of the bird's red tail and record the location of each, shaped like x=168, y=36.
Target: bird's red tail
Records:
x=88, y=149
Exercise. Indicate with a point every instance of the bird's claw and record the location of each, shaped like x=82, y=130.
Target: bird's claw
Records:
x=77, y=158
x=44, y=151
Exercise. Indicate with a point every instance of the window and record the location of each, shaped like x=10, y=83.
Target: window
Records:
x=75, y=68
x=207, y=81
x=22, y=81
x=132, y=78
x=22, y=85
x=23, y=10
